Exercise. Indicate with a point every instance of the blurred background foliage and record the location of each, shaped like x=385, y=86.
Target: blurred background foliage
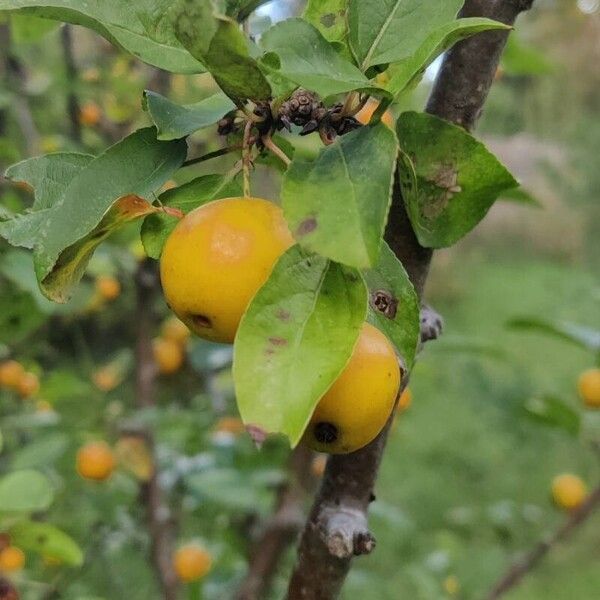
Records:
x=466, y=479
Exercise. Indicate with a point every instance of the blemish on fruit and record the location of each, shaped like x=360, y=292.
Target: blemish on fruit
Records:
x=283, y=315
x=278, y=341
x=307, y=226
x=326, y=433
x=384, y=302
x=201, y=321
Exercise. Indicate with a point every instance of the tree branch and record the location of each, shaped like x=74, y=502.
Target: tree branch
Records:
x=160, y=524
x=73, y=109
x=337, y=527
x=14, y=75
x=518, y=570
x=281, y=528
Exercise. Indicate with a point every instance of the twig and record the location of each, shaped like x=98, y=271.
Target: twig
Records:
x=518, y=570
x=160, y=524
x=346, y=108
x=73, y=108
x=281, y=528
x=14, y=76
x=337, y=526
x=359, y=106
x=246, y=158
x=268, y=142
x=211, y=155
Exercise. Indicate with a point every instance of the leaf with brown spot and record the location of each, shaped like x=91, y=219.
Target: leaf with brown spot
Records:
x=329, y=17
x=338, y=204
x=283, y=366
x=393, y=304
x=455, y=181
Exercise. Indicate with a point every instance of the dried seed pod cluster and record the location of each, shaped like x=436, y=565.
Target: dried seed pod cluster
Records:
x=306, y=110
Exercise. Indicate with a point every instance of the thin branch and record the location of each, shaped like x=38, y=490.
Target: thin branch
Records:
x=73, y=109
x=281, y=528
x=268, y=142
x=347, y=107
x=518, y=570
x=160, y=523
x=246, y=158
x=211, y=155
x=359, y=106
x=337, y=527
x=14, y=75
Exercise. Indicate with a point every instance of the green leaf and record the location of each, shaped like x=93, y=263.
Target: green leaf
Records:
x=310, y=61
x=554, y=412
x=47, y=540
x=27, y=29
x=49, y=175
x=393, y=304
x=330, y=18
x=458, y=179
x=409, y=71
x=174, y=121
x=125, y=24
x=19, y=315
x=520, y=195
x=17, y=266
x=386, y=31
x=41, y=452
x=584, y=337
x=112, y=187
x=337, y=205
x=157, y=227
x=220, y=44
x=295, y=339
x=59, y=282
x=24, y=492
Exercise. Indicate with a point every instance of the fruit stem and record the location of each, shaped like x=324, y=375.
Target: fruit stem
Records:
x=268, y=142
x=359, y=106
x=173, y=212
x=347, y=105
x=246, y=159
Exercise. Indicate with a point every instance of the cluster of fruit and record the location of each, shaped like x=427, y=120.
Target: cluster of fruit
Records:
x=212, y=265
x=14, y=377
x=569, y=491
x=190, y=562
x=169, y=347
x=96, y=461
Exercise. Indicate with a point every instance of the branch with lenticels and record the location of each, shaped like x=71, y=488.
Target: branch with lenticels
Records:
x=337, y=527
